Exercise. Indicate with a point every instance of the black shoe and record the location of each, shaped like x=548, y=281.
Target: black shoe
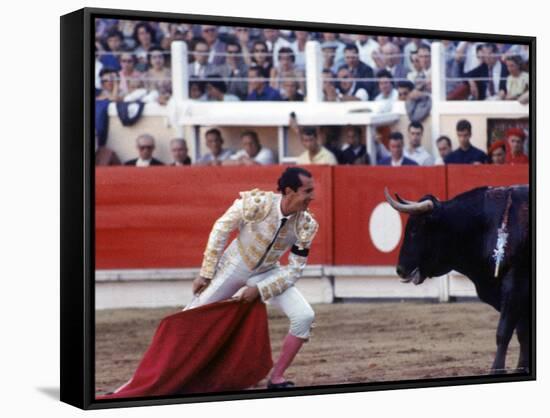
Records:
x=283, y=385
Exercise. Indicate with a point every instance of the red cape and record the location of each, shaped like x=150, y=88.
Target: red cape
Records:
x=222, y=346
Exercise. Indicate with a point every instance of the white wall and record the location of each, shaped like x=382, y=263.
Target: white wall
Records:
x=319, y=284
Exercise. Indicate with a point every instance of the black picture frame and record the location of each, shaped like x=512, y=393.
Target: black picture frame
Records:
x=77, y=211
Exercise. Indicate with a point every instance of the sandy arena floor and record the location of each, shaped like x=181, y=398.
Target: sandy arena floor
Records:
x=351, y=342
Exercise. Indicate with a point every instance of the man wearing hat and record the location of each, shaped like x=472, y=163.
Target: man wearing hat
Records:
x=497, y=152
x=329, y=50
x=331, y=40
x=516, y=139
x=269, y=224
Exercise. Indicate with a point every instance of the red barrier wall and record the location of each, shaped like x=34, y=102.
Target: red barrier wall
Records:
x=358, y=191
x=461, y=178
x=160, y=217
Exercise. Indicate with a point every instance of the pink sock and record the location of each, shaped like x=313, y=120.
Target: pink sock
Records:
x=291, y=346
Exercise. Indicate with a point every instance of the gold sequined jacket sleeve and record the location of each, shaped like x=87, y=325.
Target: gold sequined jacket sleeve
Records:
x=217, y=240
x=297, y=259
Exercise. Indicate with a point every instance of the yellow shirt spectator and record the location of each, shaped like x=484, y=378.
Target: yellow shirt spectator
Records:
x=323, y=156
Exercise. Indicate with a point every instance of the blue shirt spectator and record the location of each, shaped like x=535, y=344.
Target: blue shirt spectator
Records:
x=267, y=94
x=113, y=47
x=110, y=61
x=259, y=89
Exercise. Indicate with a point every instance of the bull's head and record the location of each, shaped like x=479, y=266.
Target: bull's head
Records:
x=417, y=258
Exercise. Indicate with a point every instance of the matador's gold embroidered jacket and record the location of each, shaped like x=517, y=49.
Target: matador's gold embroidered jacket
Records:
x=257, y=215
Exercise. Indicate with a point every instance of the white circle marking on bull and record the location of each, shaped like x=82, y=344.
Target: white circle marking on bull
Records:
x=385, y=227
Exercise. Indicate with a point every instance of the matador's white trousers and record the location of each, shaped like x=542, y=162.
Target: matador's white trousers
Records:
x=232, y=274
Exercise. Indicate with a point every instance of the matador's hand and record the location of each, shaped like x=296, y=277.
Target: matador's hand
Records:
x=199, y=284
x=249, y=294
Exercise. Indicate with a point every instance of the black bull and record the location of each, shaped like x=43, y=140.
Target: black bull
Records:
x=461, y=234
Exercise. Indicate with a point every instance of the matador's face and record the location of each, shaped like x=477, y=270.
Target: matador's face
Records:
x=300, y=199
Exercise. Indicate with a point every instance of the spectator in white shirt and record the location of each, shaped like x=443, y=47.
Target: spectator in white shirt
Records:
x=366, y=45
x=415, y=151
x=467, y=55
x=517, y=82
x=275, y=42
x=217, y=154
x=421, y=75
x=299, y=48
x=409, y=48
x=388, y=94
x=350, y=90
x=252, y=153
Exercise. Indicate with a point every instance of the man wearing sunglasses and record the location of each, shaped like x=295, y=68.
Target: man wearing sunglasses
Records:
x=146, y=145
x=215, y=46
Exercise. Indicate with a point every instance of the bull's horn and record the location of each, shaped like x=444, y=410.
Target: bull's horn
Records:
x=401, y=200
x=413, y=208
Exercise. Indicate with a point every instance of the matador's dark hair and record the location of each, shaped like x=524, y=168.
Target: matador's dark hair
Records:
x=290, y=178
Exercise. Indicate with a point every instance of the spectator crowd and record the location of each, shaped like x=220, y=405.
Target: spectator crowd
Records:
x=227, y=63
x=334, y=145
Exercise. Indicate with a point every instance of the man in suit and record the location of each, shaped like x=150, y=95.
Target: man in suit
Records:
x=215, y=46
x=234, y=70
x=200, y=67
x=396, y=159
x=359, y=69
x=488, y=80
x=146, y=145
x=353, y=150
x=178, y=148
x=392, y=60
